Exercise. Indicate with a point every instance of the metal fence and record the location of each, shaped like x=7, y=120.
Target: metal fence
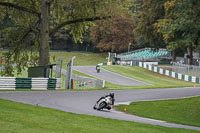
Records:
x=58, y=70
x=190, y=70
x=81, y=82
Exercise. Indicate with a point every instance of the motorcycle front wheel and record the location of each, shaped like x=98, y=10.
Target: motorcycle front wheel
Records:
x=102, y=105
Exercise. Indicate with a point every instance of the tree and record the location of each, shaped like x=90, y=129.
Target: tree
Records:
x=149, y=11
x=37, y=20
x=113, y=35
x=136, y=8
x=180, y=27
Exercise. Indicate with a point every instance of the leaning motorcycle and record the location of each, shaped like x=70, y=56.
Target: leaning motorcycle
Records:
x=104, y=103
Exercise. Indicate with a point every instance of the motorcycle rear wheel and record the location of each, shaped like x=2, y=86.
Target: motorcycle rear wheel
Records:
x=109, y=108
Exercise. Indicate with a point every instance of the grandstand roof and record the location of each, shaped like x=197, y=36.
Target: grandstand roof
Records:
x=144, y=54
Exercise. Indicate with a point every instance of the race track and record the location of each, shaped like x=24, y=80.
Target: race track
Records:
x=109, y=76
x=81, y=102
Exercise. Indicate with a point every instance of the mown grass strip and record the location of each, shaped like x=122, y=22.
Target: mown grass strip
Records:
x=22, y=118
x=182, y=111
x=82, y=59
x=141, y=74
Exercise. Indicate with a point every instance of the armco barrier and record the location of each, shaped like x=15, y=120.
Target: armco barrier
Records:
x=12, y=83
x=172, y=74
x=94, y=82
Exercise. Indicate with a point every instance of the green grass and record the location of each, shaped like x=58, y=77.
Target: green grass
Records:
x=82, y=59
x=141, y=74
x=22, y=118
x=183, y=111
x=83, y=74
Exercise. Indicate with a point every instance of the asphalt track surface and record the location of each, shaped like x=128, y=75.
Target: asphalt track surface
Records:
x=109, y=76
x=82, y=102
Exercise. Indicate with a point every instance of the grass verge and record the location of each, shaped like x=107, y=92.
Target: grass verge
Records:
x=182, y=111
x=141, y=74
x=82, y=59
x=83, y=74
x=22, y=118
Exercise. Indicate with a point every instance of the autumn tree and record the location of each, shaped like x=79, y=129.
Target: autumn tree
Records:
x=148, y=13
x=136, y=8
x=114, y=35
x=36, y=21
x=180, y=27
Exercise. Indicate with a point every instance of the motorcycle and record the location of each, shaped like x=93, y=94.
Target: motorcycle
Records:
x=98, y=68
x=105, y=102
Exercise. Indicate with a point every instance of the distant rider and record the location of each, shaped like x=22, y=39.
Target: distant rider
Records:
x=98, y=68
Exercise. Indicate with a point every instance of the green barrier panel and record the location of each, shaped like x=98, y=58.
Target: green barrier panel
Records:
x=135, y=63
x=170, y=73
x=164, y=71
x=152, y=68
x=183, y=77
x=197, y=80
x=51, y=84
x=176, y=75
x=23, y=83
x=147, y=67
x=190, y=78
x=158, y=70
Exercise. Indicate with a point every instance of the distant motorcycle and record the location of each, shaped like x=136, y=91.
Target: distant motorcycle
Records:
x=98, y=68
x=105, y=102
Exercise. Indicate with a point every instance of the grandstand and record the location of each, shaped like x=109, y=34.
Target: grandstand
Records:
x=146, y=54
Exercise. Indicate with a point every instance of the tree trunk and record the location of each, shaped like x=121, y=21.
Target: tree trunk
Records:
x=199, y=53
x=44, y=34
x=112, y=49
x=174, y=55
x=190, y=53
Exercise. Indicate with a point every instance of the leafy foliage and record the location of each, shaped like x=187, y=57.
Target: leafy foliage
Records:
x=113, y=35
x=171, y=23
x=25, y=33
x=149, y=12
x=181, y=25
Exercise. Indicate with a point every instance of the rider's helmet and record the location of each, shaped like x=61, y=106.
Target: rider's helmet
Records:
x=112, y=95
